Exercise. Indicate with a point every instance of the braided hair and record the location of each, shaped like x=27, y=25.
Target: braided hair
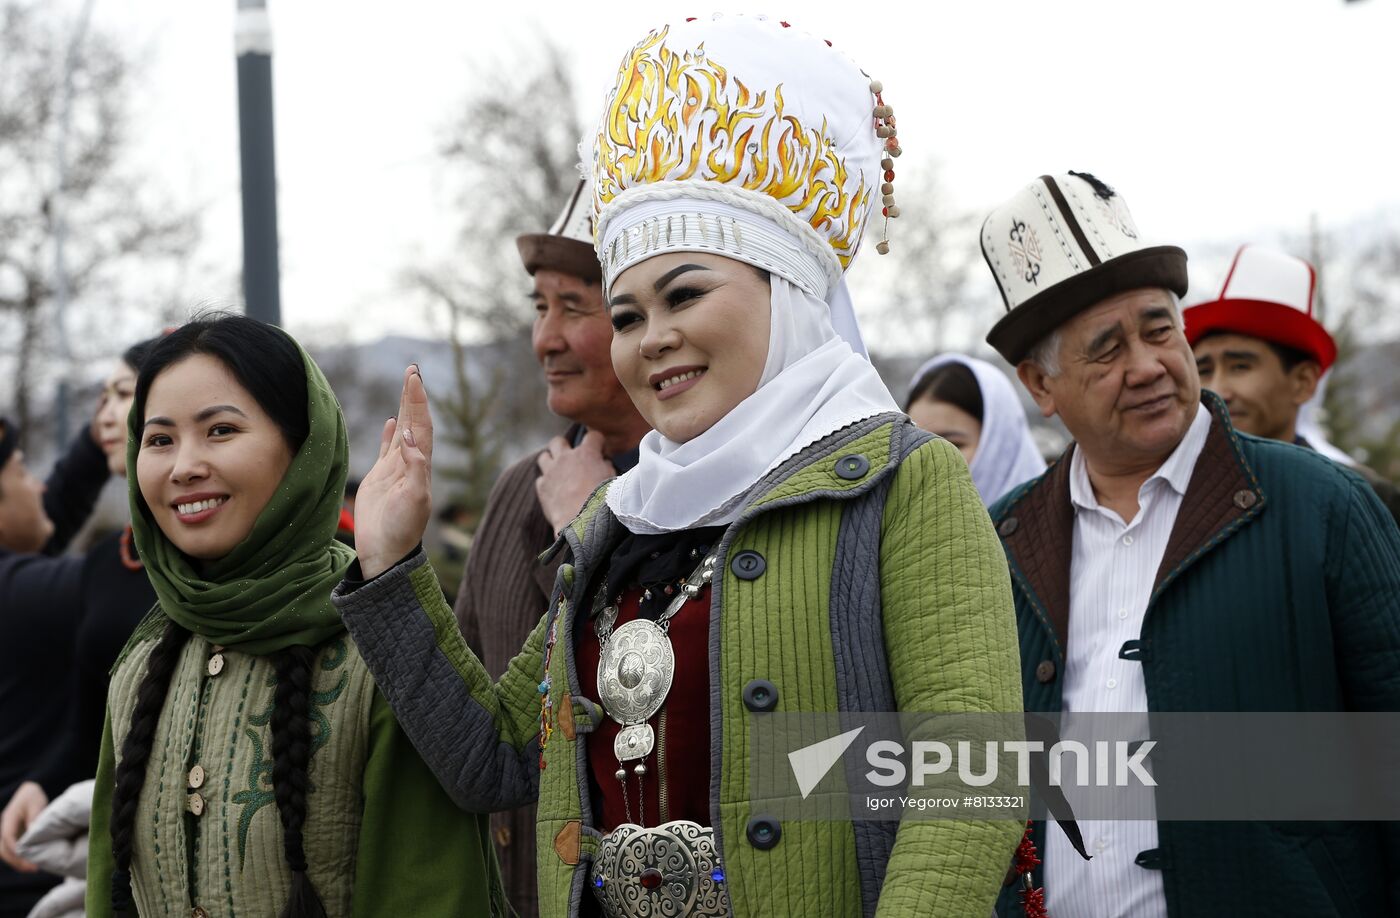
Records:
x=266, y=363
x=136, y=753
x=291, y=755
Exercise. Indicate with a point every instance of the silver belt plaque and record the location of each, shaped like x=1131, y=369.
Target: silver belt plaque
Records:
x=671, y=871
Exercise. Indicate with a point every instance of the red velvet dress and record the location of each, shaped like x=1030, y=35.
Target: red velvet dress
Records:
x=685, y=745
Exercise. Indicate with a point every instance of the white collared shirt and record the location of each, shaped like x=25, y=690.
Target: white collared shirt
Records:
x=1112, y=571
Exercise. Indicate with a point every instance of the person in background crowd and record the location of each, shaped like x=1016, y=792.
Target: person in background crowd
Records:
x=1166, y=563
x=248, y=765
x=77, y=609
x=456, y=524
x=505, y=588
x=788, y=541
x=1259, y=348
x=25, y=527
x=345, y=525
x=352, y=487
x=973, y=406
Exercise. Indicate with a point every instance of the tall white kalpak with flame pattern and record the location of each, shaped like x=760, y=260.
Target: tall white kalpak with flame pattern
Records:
x=746, y=112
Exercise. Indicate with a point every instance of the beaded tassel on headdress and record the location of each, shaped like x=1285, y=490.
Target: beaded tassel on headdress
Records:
x=885, y=129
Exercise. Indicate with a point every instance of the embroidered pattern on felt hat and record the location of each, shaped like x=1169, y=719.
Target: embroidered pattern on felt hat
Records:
x=1060, y=245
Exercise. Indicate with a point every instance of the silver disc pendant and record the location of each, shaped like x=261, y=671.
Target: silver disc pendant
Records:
x=635, y=671
x=634, y=742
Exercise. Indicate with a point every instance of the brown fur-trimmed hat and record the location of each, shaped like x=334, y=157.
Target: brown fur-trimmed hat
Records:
x=1060, y=245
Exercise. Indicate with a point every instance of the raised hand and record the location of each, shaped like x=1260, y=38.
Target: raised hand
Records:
x=395, y=499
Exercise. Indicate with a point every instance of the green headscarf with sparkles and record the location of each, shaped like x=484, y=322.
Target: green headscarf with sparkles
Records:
x=273, y=590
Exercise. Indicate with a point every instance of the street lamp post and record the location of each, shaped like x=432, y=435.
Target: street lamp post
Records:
x=58, y=204
x=261, y=282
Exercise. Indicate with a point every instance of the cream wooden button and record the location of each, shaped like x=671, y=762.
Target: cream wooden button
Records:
x=195, y=804
x=197, y=776
x=216, y=664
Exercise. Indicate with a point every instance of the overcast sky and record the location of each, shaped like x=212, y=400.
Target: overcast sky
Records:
x=1216, y=120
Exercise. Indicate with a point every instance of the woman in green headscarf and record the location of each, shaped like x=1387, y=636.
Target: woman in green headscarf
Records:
x=249, y=765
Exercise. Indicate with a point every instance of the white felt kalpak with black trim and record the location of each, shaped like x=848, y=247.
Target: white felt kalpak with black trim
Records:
x=1060, y=245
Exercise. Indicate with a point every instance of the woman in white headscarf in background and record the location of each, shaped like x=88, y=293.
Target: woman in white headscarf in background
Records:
x=971, y=404
x=788, y=541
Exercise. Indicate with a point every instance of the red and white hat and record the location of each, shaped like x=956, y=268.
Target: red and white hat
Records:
x=1267, y=294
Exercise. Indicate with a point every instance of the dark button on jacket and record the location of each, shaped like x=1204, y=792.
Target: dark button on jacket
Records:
x=760, y=696
x=748, y=565
x=853, y=467
x=764, y=832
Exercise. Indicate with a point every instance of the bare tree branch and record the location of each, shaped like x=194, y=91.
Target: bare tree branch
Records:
x=109, y=217
x=512, y=153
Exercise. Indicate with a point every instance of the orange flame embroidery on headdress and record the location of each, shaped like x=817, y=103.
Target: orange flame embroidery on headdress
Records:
x=677, y=117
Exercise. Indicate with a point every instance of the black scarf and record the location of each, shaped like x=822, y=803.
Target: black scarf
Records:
x=657, y=564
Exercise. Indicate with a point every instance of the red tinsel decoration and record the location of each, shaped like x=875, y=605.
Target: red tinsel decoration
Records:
x=1032, y=900
x=1026, y=861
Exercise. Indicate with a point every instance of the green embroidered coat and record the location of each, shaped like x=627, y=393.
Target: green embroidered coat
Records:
x=871, y=580
x=381, y=837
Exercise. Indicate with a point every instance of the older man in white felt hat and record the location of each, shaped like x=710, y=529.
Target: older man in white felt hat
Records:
x=1259, y=346
x=1166, y=563
x=505, y=589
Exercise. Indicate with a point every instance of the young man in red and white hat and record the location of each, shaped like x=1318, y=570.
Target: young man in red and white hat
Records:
x=1259, y=347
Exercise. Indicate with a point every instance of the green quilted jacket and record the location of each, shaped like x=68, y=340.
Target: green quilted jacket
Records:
x=208, y=841
x=1279, y=590
x=881, y=587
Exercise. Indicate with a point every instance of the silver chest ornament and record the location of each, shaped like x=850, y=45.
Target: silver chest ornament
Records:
x=634, y=675
x=672, y=870
x=637, y=664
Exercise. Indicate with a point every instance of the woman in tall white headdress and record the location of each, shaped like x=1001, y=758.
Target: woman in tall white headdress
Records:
x=971, y=404
x=788, y=541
